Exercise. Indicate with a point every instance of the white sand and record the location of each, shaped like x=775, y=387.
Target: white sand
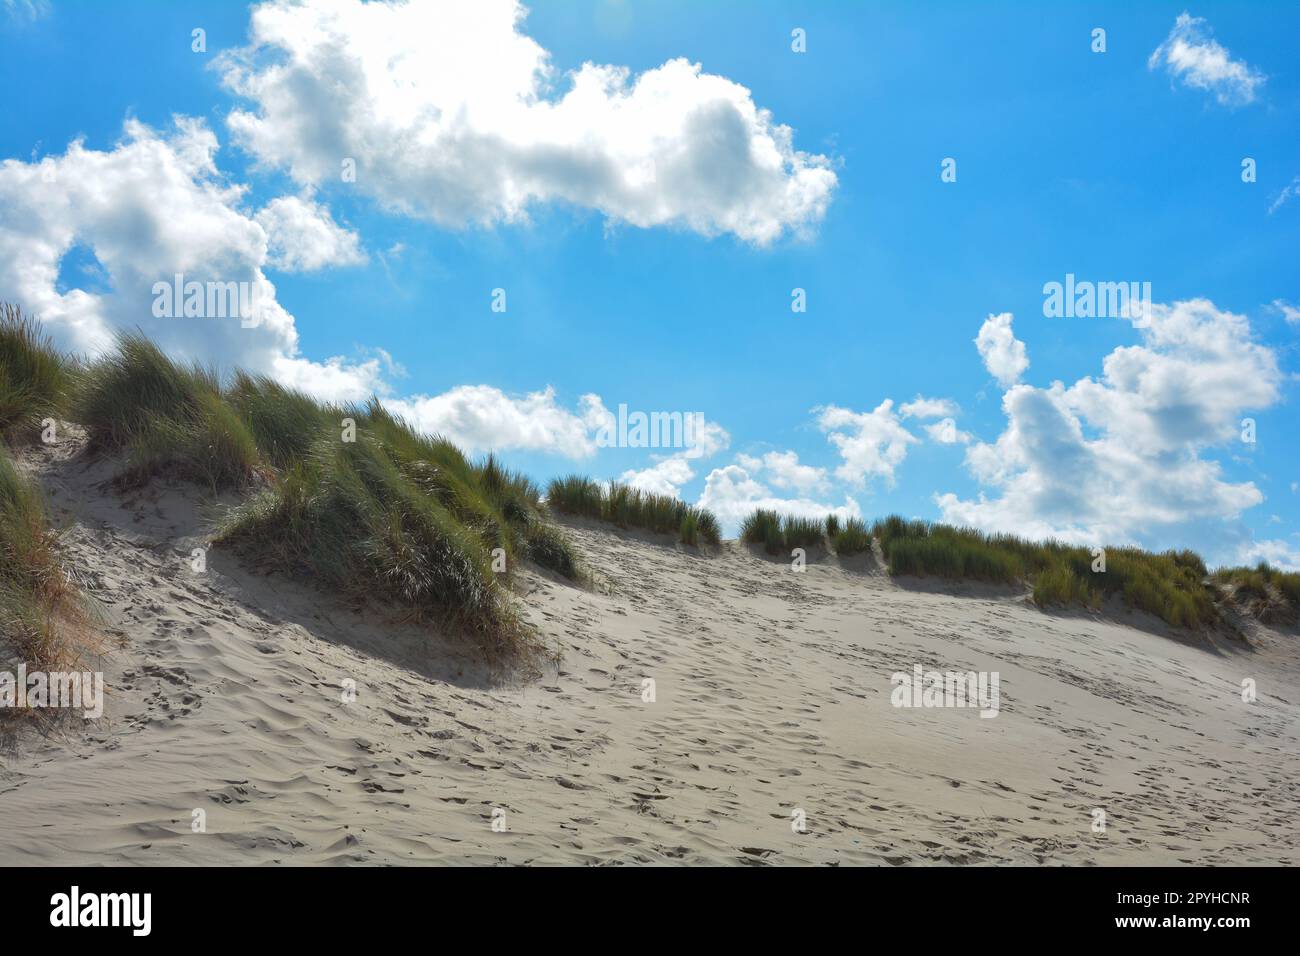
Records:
x=773, y=694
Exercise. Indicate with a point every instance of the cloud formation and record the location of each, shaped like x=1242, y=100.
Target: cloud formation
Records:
x=153, y=207
x=1120, y=459
x=1192, y=55
x=303, y=237
x=451, y=114
x=1003, y=354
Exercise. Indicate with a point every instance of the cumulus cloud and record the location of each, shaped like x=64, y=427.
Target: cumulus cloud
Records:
x=665, y=477
x=303, y=237
x=1120, y=459
x=783, y=470
x=872, y=444
x=732, y=493
x=1003, y=354
x=1192, y=55
x=452, y=114
x=484, y=418
x=152, y=208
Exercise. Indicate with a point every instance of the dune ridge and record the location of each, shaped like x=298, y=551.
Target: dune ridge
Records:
x=772, y=696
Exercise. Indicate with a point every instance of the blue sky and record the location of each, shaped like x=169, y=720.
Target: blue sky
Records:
x=1123, y=165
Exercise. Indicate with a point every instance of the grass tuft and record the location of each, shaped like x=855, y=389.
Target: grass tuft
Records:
x=34, y=376
x=632, y=508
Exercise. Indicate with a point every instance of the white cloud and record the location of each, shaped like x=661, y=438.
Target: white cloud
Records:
x=152, y=207
x=946, y=432
x=483, y=418
x=871, y=444
x=452, y=114
x=922, y=407
x=1003, y=354
x=784, y=471
x=1192, y=55
x=665, y=477
x=1120, y=459
x=303, y=237
x=1289, y=312
x=731, y=493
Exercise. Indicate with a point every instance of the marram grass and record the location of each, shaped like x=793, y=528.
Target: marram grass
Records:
x=629, y=507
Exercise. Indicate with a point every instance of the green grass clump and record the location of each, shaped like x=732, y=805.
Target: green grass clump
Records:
x=34, y=376
x=629, y=507
x=1271, y=595
x=405, y=516
x=164, y=416
x=777, y=534
x=763, y=527
x=853, y=538
x=832, y=526
x=284, y=423
x=1170, y=585
x=38, y=605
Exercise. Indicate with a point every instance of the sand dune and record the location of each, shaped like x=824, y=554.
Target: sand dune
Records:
x=772, y=696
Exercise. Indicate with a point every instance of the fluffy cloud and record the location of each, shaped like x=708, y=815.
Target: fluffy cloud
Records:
x=1003, y=354
x=784, y=471
x=153, y=207
x=483, y=418
x=665, y=477
x=303, y=237
x=450, y=113
x=732, y=493
x=1192, y=55
x=872, y=444
x=1120, y=459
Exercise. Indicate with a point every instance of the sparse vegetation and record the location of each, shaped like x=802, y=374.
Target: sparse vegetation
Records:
x=1264, y=592
x=38, y=604
x=629, y=507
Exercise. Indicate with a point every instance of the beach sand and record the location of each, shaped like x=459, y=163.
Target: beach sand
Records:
x=772, y=699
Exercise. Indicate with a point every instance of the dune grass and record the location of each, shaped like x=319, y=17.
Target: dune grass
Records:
x=1264, y=592
x=777, y=533
x=629, y=507
x=34, y=376
x=1171, y=585
x=39, y=606
x=853, y=537
x=165, y=417
x=373, y=509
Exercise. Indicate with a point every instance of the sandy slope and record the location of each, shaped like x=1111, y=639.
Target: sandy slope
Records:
x=772, y=694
